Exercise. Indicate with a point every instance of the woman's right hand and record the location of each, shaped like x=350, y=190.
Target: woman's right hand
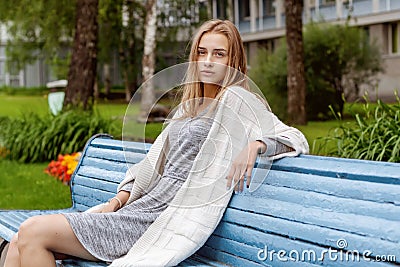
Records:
x=113, y=204
x=110, y=206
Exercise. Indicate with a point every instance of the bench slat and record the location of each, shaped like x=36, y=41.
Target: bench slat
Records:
x=352, y=169
x=105, y=164
x=326, y=202
x=5, y=232
x=312, y=234
x=366, y=225
x=90, y=194
x=114, y=155
x=276, y=243
x=104, y=185
x=377, y=192
x=139, y=147
x=82, y=263
x=227, y=258
x=100, y=174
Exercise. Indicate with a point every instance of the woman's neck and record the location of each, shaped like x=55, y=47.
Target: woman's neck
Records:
x=210, y=90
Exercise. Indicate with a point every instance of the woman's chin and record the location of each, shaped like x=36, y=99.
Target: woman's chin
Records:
x=210, y=81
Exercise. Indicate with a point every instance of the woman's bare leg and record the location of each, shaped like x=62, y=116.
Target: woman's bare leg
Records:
x=41, y=236
x=12, y=257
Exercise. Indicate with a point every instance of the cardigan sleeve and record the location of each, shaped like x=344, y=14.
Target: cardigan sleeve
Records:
x=290, y=137
x=274, y=147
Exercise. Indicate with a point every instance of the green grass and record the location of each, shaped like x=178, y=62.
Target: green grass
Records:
x=314, y=130
x=26, y=186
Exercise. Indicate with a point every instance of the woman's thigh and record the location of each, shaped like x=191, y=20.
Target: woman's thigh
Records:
x=54, y=233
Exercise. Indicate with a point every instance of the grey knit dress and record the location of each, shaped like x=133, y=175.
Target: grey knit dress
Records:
x=108, y=236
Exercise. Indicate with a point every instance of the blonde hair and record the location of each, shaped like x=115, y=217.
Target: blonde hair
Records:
x=237, y=66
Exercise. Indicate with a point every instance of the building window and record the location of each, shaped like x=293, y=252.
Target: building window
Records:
x=327, y=2
x=394, y=34
x=269, y=7
x=221, y=9
x=244, y=9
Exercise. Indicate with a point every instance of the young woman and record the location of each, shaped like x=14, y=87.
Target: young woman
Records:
x=171, y=202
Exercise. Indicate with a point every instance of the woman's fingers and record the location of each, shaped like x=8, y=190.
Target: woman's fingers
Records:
x=241, y=166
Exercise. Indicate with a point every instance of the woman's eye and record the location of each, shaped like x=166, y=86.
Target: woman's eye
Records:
x=220, y=54
x=201, y=53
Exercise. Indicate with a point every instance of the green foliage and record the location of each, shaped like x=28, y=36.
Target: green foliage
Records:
x=36, y=139
x=270, y=75
x=375, y=134
x=8, y=90
x=338, y=59
x=38, y=29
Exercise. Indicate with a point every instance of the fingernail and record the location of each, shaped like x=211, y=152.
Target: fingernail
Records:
x=227, y=188
x=247, y=186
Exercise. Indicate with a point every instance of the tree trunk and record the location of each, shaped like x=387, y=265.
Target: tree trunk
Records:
x=295, y=62
x=82, y=70
x=127, y=52
x=107, y=79
x=148, y=61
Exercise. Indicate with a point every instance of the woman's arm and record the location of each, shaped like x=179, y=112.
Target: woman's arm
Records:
x=116, y=202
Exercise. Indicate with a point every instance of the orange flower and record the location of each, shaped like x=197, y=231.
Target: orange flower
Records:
x=64, y=167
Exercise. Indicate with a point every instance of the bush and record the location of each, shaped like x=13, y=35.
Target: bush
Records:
x=37, y=139
x=338, y=59
x=374, y=135
x=9, y=90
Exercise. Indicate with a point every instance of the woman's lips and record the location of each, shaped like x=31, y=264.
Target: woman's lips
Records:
x=207, y=72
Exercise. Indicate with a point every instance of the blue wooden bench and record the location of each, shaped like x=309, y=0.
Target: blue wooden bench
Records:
x=309, y=211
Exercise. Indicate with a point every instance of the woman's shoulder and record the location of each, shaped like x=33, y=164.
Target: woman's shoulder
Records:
x=239, y=94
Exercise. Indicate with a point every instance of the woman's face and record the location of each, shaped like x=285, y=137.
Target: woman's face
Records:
x=212, y=57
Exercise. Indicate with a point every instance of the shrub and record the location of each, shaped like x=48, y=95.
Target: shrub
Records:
x=37, y=139
x=375, y=135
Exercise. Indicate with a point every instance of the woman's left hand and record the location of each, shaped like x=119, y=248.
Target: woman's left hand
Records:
x=243, y=164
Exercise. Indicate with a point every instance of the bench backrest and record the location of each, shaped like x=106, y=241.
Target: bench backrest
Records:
x=306, y=205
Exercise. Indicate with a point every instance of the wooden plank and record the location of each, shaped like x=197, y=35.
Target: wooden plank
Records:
x=366, y=225
x=377, y=192
x=312, y=234
x=388, y=210
x=91, y=195
x=227, y=258
x=198, y=260
x=269, y=244
x=193, y=262
x=100, y=174
x=105, y=164
x=114, y=155
x=82, y=263
x=140, y=147
x=373, y=171
x=6, y=232
x=94, y=183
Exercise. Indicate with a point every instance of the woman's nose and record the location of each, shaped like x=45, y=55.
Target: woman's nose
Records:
x=208, y=59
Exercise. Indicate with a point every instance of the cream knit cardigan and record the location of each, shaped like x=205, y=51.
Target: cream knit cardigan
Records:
x=200, y=203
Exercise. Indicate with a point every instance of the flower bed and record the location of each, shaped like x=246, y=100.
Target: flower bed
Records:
x=63, y=167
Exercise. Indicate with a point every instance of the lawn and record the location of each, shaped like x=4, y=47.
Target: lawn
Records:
x=26, y=186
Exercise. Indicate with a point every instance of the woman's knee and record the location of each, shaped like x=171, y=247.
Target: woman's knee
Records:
x=31, y=231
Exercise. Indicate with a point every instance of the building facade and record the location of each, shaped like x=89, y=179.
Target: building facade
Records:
x=262, y=24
